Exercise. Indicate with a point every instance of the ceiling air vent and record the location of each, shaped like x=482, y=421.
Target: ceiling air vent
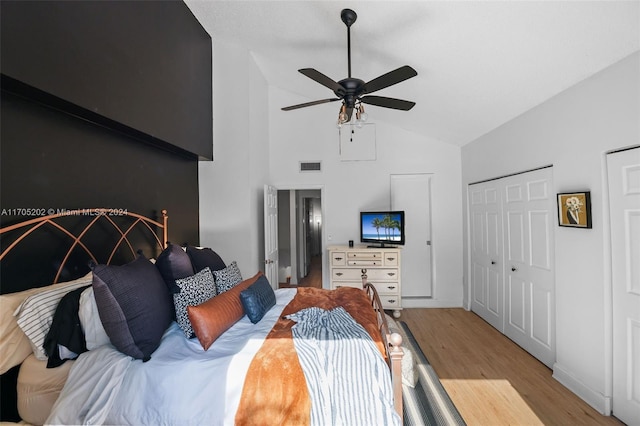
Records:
x=313, y=166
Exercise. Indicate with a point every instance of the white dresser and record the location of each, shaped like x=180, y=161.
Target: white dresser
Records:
x=381, y=265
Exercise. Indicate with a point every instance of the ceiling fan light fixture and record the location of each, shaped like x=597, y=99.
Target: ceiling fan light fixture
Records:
x=361, y=116
x=343, y=117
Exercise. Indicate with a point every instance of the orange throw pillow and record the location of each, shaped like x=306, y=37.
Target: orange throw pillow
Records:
x=215, y=316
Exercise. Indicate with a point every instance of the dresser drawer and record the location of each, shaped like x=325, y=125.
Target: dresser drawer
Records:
x=390, y=302
x=386, y=288
x=365, y=262
x=338, y=284
x=382, y=274
x=338, y=258
x=391, y=259
x=369, y=255
x=342, y=274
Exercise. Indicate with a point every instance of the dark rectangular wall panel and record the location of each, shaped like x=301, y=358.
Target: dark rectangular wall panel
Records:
x=52, y=161
x=144, y=64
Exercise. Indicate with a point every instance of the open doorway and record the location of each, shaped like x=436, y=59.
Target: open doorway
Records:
x=300, y=238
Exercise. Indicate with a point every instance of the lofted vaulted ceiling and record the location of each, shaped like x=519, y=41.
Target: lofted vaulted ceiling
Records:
x=479, y=63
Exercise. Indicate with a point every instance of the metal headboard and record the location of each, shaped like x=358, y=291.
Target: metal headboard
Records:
x=98, y=215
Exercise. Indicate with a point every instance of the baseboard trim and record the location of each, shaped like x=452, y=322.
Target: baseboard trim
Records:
x=599, y=402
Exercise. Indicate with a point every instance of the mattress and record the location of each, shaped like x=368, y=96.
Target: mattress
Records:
x=38, y=388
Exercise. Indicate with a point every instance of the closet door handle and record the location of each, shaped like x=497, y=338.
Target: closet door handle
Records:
x=513, y=268
x=493, y=262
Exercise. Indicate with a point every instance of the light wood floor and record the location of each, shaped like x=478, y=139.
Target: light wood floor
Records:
x=313, y=279
x=491, y=380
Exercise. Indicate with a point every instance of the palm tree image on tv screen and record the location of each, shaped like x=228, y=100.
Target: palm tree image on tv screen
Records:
x=382, y=227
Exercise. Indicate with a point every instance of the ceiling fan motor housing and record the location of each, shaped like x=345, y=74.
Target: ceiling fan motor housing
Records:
x=353, y=88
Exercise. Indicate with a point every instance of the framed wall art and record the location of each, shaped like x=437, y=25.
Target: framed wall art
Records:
x=574, y=209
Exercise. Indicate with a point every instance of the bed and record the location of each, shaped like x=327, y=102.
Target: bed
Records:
x=198, y=344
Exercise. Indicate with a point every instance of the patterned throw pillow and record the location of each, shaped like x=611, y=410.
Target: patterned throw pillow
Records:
x=227, y=278
x=194, y=290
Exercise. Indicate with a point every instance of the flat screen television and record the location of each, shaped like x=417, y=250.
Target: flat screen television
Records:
x=382, y=228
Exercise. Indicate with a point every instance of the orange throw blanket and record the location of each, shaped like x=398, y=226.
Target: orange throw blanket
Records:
x=275, y=390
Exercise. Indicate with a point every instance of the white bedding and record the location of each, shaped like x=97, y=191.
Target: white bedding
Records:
x=181, y=384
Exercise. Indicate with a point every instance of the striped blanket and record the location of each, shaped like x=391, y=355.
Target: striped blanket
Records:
x=347, y=378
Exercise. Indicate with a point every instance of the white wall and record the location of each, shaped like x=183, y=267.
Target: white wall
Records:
x=572, y=131
x=231, y=186
x=256, y=143
x=310, y=134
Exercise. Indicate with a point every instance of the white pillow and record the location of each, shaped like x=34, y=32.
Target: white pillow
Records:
x=35, y=314
x=409, y=370
x=94, y=333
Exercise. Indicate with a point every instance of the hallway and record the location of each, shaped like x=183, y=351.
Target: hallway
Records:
x=313, y=279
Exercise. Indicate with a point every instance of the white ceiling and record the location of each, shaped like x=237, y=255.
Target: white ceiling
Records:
x=479, y=63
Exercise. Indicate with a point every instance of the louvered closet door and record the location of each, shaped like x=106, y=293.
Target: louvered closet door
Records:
x=486, y=290
x=528, y=214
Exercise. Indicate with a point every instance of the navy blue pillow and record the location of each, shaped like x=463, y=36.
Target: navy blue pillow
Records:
x=134, y=305
x=203, y=257
x=257, y=299
x=174, y=264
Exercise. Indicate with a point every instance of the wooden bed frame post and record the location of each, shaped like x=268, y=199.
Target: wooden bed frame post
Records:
x=165, y=230
x=392, y=343
x=396, y=355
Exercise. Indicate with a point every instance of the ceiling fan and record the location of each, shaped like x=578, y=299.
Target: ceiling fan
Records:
x=354, y=92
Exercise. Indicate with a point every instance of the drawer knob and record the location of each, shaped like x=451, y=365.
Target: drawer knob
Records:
x=338, y=258
x=391, y=258
x=339, y=274
x=391, y=300
x=391, y=287
x=391, y=273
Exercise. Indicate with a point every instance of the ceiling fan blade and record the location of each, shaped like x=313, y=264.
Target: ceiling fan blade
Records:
x=306, y=104
x=389, y=79
x=324, y=80
x=385, y=102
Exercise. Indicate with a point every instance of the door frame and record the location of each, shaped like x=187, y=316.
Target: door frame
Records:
x=323, y=238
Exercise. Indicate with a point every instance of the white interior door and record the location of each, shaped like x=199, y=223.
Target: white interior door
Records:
x=271, y=235
x=512, y=283
x=624, y=201
x=412, y=193
x=486, y=273
x=528, y=206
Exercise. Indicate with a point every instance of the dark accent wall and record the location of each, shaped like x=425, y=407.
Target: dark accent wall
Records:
x=51, y=160
x=143, y=64
x=103, y=104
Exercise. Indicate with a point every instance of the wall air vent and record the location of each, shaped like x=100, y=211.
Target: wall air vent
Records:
x=310, y=166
